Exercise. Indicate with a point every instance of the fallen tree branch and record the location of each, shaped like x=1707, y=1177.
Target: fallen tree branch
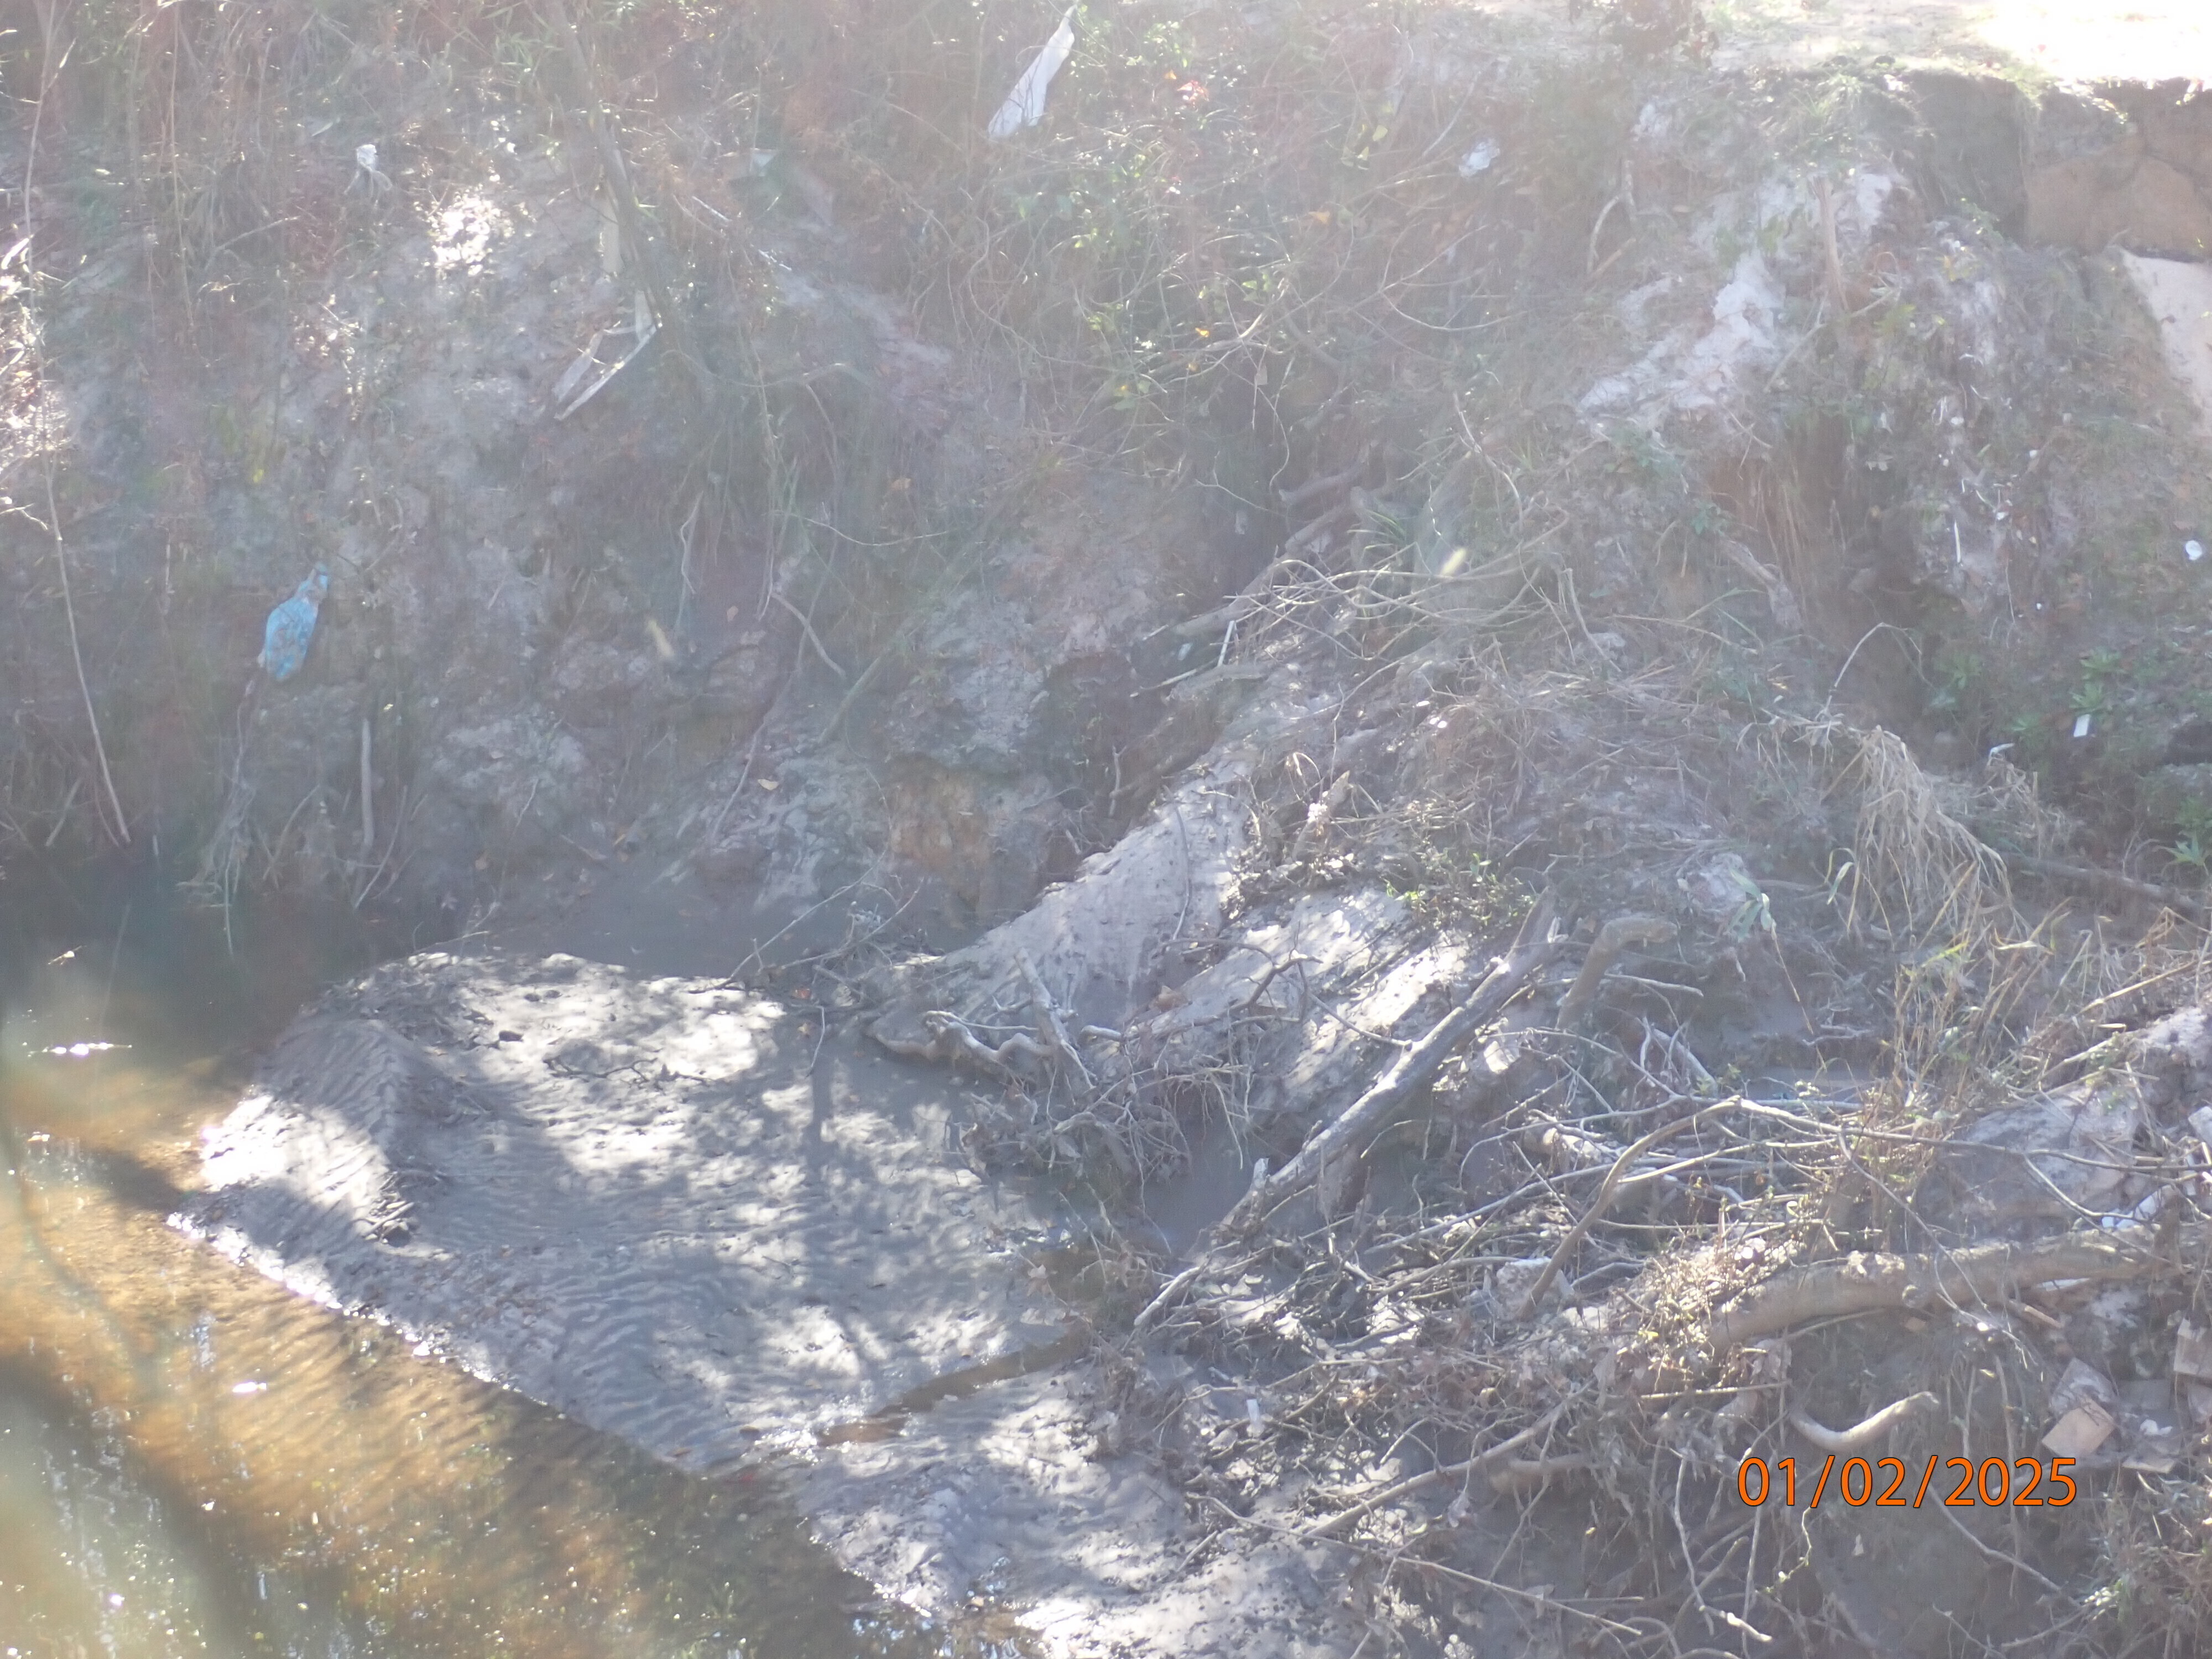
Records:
x=118, y=825
x=1613, y=939
x=1168, y=1293
x=2109, y=883
x=1867, y=1284
x=1532, y=950
x=1314, y=488
x=1051, y=1028
x=367, y=795
x=1480, y=1463
x=1846, y=1442
x=1521, y=1475
x=806, y=623
x=945, y=1027
x=1607, y=1190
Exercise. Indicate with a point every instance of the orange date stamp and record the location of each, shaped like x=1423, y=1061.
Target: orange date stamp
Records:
x=2023, y=1483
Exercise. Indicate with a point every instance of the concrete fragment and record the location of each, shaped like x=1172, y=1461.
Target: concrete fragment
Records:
x=2178, y=295
x=2050, y=1158
x=2192, y=1352
x=2082, y=1383
x=2198, y=1398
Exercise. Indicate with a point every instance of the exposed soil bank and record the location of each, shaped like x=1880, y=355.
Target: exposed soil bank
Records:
x=1164, y=599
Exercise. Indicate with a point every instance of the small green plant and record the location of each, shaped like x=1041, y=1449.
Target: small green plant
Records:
x=2093, y=696
x=1754, y=914
x=1738, y=679
x=2189, y=852
x=2192, y=842
x=1961, y=672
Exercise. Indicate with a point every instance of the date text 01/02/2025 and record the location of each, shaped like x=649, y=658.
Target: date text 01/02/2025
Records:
x=1989, y=1482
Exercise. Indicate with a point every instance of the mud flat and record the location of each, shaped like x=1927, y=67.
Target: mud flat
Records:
x=669, y=1210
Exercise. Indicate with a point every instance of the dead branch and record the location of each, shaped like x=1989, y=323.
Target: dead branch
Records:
x=2110, y=884
x=1314, y=488
x=1168, y=1293
x=1531, y=951
x=1613, y=939
x=119, y=825
x=1050, y=1027
x=1310, y=537
x=1863, y=1283
x=367, y=794
x=1525, y=1475
x=945, y=1027
x=1481, y=1463
x=1607, y=1190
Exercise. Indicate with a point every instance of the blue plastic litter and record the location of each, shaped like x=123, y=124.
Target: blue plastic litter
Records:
x=292, y=625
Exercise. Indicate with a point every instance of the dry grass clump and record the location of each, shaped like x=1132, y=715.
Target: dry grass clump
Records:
x=1920, y=872
x=2159, y=1595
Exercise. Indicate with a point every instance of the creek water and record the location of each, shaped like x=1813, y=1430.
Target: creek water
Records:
x=194, y=1462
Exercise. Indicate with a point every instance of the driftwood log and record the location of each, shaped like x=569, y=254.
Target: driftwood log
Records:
x=1988, y=1272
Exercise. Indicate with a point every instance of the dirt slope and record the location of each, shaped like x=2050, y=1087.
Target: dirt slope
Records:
x=1158, y=597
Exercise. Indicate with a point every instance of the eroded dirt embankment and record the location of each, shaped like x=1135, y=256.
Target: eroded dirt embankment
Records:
x=1157, y=600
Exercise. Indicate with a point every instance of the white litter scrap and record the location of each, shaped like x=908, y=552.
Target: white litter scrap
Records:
x=597, y=364
x=2194, y=550
x=1478, y=160
x=1024, y=104
x=364, y=157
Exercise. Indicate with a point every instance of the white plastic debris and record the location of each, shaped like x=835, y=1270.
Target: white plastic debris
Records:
x=611, y=351
x=1024, y=104
x=1478, y=160
x=2081, y=724
x=364, y=157
x=2194, y=549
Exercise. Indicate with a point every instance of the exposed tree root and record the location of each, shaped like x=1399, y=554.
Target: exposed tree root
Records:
x=1846, y=1442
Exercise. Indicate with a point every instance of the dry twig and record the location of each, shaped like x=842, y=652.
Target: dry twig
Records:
x=1531, y=951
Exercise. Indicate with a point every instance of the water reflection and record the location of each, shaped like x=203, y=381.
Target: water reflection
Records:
x=192, y=1461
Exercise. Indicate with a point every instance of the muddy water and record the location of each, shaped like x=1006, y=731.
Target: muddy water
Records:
x=192, y=1461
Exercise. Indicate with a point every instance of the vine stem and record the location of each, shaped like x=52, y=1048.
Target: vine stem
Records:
x=120, y=825
x=112, y=817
